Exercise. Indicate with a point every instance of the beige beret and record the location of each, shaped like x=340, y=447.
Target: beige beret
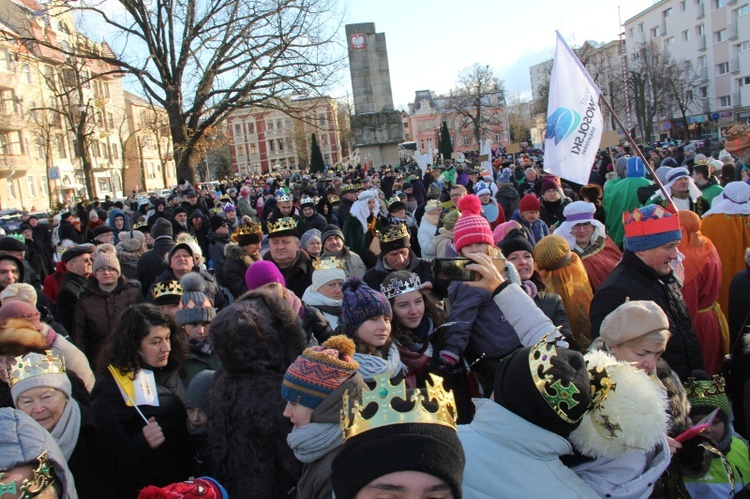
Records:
x=631, y=320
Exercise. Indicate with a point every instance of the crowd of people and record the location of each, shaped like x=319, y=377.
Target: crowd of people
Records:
x=291, y=335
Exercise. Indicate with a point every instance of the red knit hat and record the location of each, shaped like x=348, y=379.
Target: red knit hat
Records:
x=529, y=203
x=472, y=227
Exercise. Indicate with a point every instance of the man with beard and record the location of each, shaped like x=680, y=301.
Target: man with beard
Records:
x=179, y=221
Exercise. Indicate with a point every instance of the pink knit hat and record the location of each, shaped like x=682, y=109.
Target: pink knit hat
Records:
x=261, y=273
x=472, y=227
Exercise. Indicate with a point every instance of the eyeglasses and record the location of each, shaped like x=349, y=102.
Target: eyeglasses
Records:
x=107, y=269
x=584, y=226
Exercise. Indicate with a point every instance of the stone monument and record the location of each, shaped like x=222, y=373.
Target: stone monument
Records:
x=376, y=126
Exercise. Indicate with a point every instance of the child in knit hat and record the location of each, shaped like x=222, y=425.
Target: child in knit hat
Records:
x=527, y=215
x=366, y=318
x=313, y=387
x=196, y=403
x=194, y=315
x=705, y=395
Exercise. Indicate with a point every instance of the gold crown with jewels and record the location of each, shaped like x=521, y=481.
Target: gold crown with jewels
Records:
x=284, y=223
x=140, y=225
x=43, y=478
x=328, y=263
x=166, y=288
x=398, y=287
x=551, y=389
x=247, y=229
x=695, y=388
x=393, y=233
x=334, y=199
x=442, y=408
x=35, y=364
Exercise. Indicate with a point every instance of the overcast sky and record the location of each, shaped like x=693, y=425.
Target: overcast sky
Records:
x=429, y=42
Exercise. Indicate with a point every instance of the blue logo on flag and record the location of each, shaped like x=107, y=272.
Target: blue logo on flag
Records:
x=561, y=124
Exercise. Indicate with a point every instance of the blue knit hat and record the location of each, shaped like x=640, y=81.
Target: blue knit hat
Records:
x=503, y=176
x=360, y=303
x=650, y=227
x=635, y=168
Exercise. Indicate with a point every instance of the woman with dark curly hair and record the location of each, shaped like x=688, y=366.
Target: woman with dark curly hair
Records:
x=146, y=349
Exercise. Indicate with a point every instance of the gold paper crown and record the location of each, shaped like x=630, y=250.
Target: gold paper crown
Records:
x=334, y=199
x=394, y=199
x=284, y=223
x=329, y=263
x=702, y=162
x=393, y=233
x=695, y=388
x=353, y=422
x=354, y=187
x=551, y=389
x=398, y=287
x=35, y=364
x=166, y=288
x=185, y=237
x=225, y=198
x=601, y=385
x=43, y=477
x=434, y=203
x=140, y=225
x=247, y=229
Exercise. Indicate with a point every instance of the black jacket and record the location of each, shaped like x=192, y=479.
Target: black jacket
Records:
x=67, y=298
x=298, y=276
x=153, y=263
x=423, y=268
x=633, y=279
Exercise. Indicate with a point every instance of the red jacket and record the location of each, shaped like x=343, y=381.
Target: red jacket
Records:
x=52, y=282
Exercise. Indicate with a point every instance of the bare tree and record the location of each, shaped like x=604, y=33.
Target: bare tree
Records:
x=647, y=79
x=202, y=60
x=478, y=91
x=683, y=82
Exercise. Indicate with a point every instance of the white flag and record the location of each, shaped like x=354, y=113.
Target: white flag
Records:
x=574, y=120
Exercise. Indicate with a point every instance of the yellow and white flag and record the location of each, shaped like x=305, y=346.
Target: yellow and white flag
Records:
x=574, y=120
x=136, y=390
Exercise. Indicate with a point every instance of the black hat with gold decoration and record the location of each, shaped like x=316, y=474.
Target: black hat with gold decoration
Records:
x=281, y=227
x=393, y=237
x=248, y=233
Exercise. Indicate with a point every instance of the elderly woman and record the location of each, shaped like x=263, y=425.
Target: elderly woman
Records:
x=97, y=450
x=325, y=292
x=586, y=237
x=311, y=243
x=147, y=348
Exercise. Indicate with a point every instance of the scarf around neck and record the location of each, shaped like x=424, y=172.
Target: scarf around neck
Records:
x=314, y=440
x=370, y=365
x=68, y=428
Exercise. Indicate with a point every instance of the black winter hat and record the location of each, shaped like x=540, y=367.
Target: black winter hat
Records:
x=514, y=241
x=433, y=449
x=569, y=384
x=217, y=221
x=162, y=228
x=8, y=243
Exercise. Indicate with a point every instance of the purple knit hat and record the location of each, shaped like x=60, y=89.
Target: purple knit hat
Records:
x=261, y=273
x=360, y=303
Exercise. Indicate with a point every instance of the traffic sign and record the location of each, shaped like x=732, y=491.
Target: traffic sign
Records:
x=54, y=173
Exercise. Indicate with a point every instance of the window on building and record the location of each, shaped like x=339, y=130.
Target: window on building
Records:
x=669, y=41
x=253, y=148
x=419, y=125
x=466, y=139
x=719, y=3
x=703, y=92
x=105, y=90
x=743, y=82
x=686, y=36
x=62, y=152
x=39, y=147
x=725, y=101
x=11, y=188
x=272, y=145
x=654, y=32
x=32, y=186
x=115, y=153
x=250, y=127
x=7, y=60
x=682, y=6
x=281, y=145
x=640, y=27
x=722, y=69
x=7, y=101
x=742, y=11
x=26, y=147
x=44, y=184
x=288, y=124
x=27, y=73
x=720, y=36
x=279, y=125
x=630, y=33
x=667, y=12
x=237, y=129
x=498, y=137
x=700, y=29
x=240, y=150
x=269, y=125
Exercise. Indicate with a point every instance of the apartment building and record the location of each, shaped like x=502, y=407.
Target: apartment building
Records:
x=268, y=140
x=714, y=36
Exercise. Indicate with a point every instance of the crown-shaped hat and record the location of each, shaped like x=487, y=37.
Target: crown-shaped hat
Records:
x=245, y=230
x=284, y=226
x=42, y=477
x=334, y=199
x=283, y=197
x=166, y=288
x=225, y=198
x=399, y=287
x=552, y=390
x=140, y=225
x=306, y=200
x=393, y=233
x=35, y=364
x=395, y=199
x=441, y=410
x=329, y=263
x=642, y=222
x=695, y=388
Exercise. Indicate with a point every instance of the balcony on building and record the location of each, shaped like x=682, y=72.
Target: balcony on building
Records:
x=702, y=41
x=703, y=73
x=733, y=30
x=663, y=28
x=737, y=99
x=734, y=64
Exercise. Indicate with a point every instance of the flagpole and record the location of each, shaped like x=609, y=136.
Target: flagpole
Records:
x=638, y=151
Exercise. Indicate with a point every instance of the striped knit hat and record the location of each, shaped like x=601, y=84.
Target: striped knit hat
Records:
x=319, y=371
x=360, y=303
x=472, y=227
